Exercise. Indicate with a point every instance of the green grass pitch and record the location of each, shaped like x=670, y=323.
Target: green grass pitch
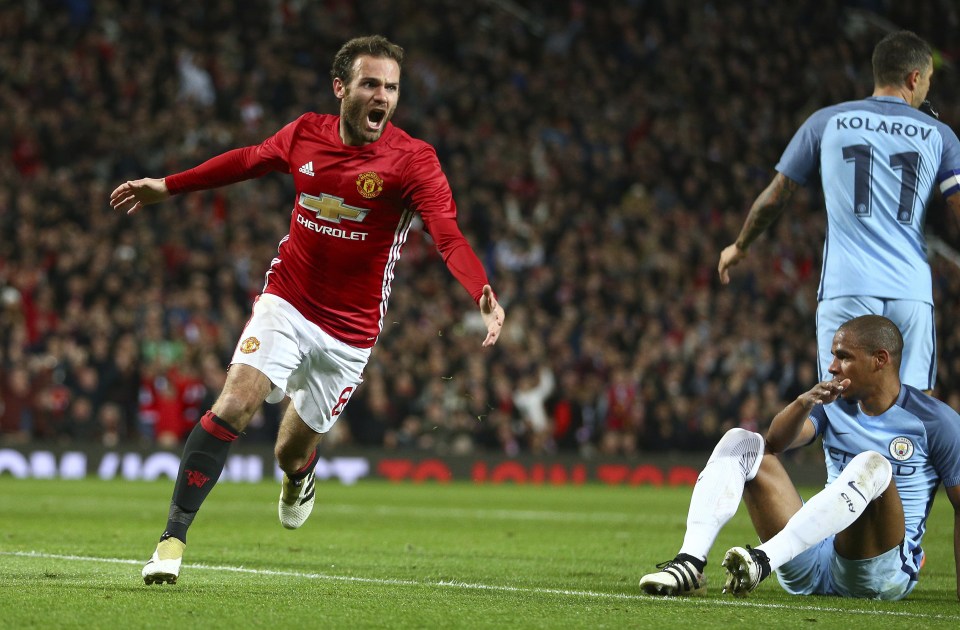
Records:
x=381, y=555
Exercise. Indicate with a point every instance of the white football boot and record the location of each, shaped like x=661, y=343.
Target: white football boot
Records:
x=746, y=568
x=296, y=500
x=675, y=577
x=164, y=565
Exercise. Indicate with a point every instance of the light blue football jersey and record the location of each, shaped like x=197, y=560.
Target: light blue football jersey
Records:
x=919, y=436
x=878, y=160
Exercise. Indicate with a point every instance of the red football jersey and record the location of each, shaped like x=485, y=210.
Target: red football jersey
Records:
x=350, y=219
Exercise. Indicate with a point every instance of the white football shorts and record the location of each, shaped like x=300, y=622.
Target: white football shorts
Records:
x=318, y=372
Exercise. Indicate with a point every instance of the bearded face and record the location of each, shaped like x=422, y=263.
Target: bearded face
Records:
x=368, y=101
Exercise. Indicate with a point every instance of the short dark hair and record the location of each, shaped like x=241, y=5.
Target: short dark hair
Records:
x=897, y=55
x=372, y=45
x=873, y=333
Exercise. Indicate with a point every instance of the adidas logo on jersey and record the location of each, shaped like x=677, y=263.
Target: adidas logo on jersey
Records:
x=307, y=169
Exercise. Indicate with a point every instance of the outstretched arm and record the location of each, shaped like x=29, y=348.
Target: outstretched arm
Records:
x=233, y=166
x=767, y=207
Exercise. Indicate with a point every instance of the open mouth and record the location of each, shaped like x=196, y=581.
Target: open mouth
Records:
x=375, y=118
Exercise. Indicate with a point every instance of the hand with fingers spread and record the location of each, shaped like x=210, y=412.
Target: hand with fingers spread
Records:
x=132, y=196
x=492, y=314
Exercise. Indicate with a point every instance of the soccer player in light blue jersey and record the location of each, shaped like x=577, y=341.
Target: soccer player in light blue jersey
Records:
x=879, y=161
x=888, y=447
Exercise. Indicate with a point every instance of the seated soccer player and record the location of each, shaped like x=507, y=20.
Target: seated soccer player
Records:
x=888, y=446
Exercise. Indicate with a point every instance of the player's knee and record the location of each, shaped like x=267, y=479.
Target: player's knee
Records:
x=737, y=434
x=872, y=462
x=736, y=440
x=872, y=471
x=745, y=447
x=236, y=408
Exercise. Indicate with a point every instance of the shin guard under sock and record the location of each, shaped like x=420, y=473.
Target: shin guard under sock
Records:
x=204, y=455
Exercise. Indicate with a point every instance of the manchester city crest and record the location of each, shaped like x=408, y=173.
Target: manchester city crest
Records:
x=901, y=448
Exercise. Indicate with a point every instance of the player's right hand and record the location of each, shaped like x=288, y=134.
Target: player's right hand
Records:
x=825, y=392
x=729, y=257
x=133, y=195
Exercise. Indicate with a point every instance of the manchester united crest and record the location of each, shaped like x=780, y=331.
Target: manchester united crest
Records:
x=901, y=448
x=369, y=184
x=250, y=344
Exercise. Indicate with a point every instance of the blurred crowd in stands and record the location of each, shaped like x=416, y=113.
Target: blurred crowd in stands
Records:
x=602, y=153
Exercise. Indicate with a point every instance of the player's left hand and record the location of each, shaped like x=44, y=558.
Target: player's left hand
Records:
x=492, y=314
x=927, y=108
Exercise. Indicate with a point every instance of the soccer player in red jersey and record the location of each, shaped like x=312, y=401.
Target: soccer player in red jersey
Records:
x=359, y=183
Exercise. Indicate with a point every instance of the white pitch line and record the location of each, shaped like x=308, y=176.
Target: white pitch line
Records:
x=703, y=603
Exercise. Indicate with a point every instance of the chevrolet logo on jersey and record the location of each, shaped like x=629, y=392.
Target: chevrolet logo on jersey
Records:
x=331, y=208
